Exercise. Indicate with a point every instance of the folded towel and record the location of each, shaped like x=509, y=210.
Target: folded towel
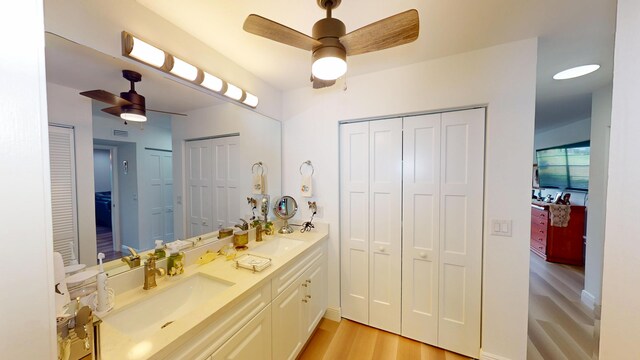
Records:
x=560, y=215
x=257, y=184
x=307, y=186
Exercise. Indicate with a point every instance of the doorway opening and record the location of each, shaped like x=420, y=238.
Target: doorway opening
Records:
x=106, y=204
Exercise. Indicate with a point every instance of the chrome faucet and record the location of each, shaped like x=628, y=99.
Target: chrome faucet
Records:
x=132, y=260
x=150, y=272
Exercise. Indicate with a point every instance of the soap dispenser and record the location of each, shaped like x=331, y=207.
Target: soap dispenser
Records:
x=159, y=251
x=175, y=262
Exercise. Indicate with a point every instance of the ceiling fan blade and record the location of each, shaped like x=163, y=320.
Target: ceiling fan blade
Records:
x=167, y=112
x=272, y=30
x=105, y=97
x=319, y=83
x=395, y=30
x=115, y=110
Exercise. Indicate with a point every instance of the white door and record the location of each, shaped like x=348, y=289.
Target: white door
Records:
x=421, y=227
x=354, y=224
x=227, y=199
x=158, y=208
x=199, y=183
x=62, y=161
x=385, y=224
x=461, y=202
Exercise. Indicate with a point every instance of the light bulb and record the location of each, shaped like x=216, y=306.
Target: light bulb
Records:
x=329, y=68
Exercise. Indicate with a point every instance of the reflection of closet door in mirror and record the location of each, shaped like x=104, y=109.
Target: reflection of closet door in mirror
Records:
x=212, y=174
x=157, y=207
x=199, y=183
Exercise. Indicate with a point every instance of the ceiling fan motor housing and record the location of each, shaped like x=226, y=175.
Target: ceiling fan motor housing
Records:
x=137, y=102
x=328, y=31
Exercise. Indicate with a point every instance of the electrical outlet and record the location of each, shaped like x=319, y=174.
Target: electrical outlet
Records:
x=501, y=227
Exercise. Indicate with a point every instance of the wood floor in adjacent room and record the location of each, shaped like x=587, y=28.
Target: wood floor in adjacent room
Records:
x=560, y=326
x=348, y=340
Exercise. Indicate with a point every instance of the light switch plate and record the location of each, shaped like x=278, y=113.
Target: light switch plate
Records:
x=501, y=227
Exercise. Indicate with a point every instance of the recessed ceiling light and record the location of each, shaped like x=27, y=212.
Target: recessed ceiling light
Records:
x=576, y=72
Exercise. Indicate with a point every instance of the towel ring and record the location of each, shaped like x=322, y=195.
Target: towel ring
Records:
x=259, y=165
x=308, y=163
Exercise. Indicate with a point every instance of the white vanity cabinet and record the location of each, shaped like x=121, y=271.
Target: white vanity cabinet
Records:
x=253, y=341
x=297, y=310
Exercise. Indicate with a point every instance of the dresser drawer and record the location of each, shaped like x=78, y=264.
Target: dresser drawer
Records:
x=538, y=247
x=539, y=214
x=539, y=233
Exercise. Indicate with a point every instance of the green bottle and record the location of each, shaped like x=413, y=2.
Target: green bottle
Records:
x=159, y=251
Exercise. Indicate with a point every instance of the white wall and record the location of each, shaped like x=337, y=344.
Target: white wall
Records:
x=98, y=25
x=620, y=291
x=503, y=77
x=260, y=140
x=66, y=107
x=575, y=132
x=598, y=167
x=27, y=310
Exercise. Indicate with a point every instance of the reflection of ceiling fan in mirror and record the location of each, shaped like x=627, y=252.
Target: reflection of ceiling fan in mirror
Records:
x=130, y=105
x=330, y=44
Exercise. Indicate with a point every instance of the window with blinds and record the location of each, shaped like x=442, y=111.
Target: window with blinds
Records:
x=63, y=191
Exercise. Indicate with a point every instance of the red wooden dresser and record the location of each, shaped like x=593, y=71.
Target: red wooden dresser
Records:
x=557, y=244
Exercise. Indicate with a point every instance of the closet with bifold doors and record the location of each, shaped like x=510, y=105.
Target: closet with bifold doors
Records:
x=411, y=223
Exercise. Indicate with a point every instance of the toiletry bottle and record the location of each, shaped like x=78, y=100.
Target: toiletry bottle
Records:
x=159, y=251
x=103, y=304
x=175, y=262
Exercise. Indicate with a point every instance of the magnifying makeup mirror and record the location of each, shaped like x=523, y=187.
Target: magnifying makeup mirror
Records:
x=285, y=208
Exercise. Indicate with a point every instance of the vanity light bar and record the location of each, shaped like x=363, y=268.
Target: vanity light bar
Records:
x=139, y=50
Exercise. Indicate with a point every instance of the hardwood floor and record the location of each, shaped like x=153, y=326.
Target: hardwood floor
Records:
x=560, y=326
x=350, y=340
x=104, y=239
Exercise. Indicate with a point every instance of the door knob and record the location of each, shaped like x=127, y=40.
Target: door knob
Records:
x=423, y=255
x=382, y=249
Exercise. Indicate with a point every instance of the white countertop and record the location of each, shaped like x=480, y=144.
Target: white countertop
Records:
x=116, y=345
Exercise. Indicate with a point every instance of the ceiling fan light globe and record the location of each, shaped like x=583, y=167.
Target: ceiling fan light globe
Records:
x=134, y=115
x=329, y=68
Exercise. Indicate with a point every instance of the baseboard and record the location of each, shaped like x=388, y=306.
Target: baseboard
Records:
x=333, y=314
x=588, y=299
x=487, y=356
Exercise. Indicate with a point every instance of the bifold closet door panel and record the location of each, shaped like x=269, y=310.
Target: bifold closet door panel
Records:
x=227, y=198
x=199, y=187
x=385, y=224
x=421, y=227
x=461, y=202
x=354, y=224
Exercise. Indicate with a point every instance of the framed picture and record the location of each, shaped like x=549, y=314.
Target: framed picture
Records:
x=535, y=179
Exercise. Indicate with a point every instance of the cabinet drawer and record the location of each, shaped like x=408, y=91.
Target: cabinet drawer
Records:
x=538, y=214
x=538, y=247
x=289, y=274
x=538, y=231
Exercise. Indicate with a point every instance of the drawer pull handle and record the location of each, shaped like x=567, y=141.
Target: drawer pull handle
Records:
x=541, y=231
x=308, y=281
x=308, y=296
x=305, y=285
x=541, y=222
x=305, y=300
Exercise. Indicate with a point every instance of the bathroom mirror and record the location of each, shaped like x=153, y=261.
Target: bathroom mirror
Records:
x=150, y=179
x=285, y=208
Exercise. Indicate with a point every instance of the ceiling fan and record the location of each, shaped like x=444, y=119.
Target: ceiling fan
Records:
x=330, y=44
x=129, y=106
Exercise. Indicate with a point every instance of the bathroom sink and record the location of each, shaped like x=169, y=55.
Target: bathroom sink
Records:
x=157, y=311
x=277, y=246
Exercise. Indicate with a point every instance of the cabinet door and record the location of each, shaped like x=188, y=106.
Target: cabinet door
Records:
x=354, y=224
x=315, y=289
x=461, y=202
x=252, y=342
x=421, y=227
x=385, y=229
x=287, y=312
